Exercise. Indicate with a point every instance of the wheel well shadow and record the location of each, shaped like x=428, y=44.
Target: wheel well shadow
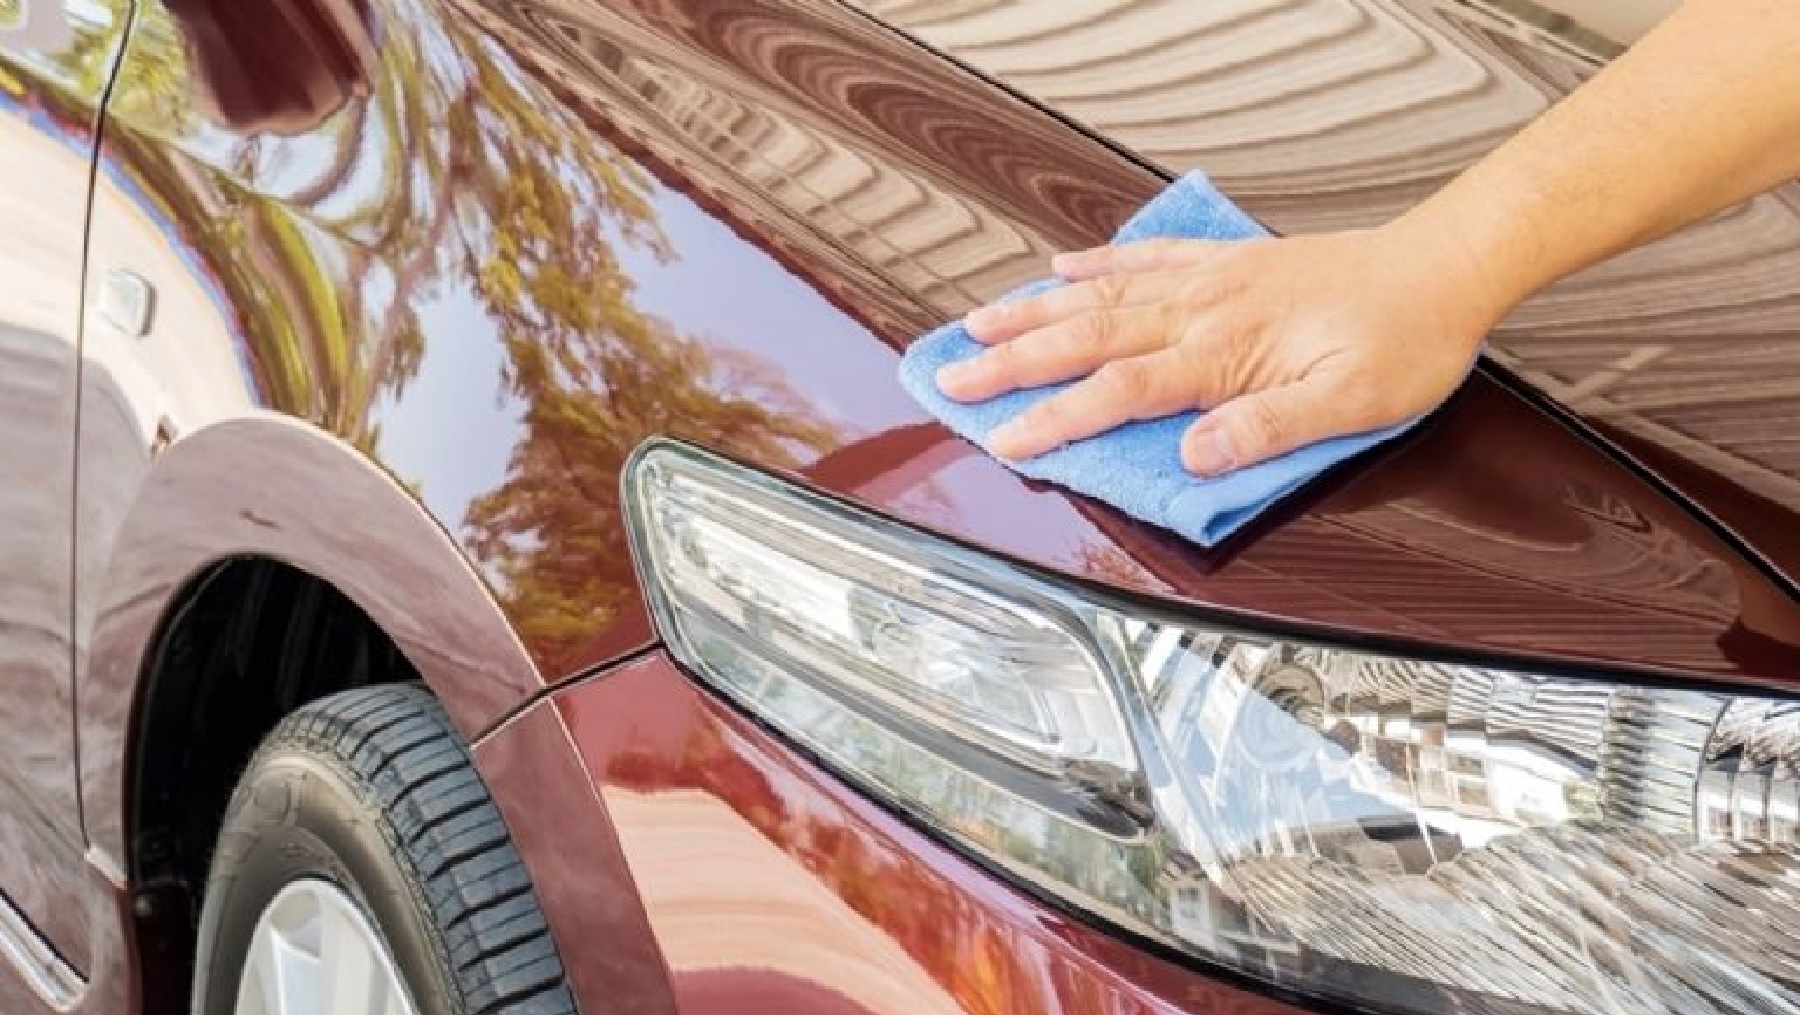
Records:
x=247, y=642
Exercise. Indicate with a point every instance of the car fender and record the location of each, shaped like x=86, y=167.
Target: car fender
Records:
x=268, y=485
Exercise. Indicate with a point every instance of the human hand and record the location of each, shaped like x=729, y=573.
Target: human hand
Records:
x=1285, y=342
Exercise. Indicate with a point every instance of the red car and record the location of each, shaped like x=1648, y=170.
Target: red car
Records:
x=465, y=548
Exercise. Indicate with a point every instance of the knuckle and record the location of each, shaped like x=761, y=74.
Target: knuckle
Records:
x=1267, y=427
x=1223, y=335
x=1094, y=330
x=1122, y=381
x=1196, y=367
x=1212, y=352
x=1108, y=290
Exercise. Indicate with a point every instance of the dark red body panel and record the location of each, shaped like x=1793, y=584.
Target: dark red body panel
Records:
x=1495, y=528
x=771, y=200
x=559, y=823
x=699, y=297
x=426, y=271
x=775, y=889
x=1320, y=115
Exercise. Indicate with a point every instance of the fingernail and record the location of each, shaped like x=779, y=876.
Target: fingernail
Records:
x=1064, y=264
x=1008, y=440
x=955, y=374
x=984, y=318
x=1209, y=453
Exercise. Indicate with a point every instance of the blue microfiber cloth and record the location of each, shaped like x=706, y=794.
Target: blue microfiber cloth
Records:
x=1137, y=467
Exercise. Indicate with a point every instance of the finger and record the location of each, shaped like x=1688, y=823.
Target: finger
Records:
x=1002, y=322
x=1259, y=425
x=1142, y=255
x=1141, y=387
x=1071, y=348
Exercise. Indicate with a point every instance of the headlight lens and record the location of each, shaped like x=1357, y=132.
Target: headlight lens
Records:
x=1409, y=835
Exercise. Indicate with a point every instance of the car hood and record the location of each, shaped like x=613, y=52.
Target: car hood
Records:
x=829, y=189
x=1327, y=115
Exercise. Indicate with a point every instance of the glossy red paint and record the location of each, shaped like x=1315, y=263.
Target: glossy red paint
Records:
x=1321, y=115
x=212, y=497
x=790, y=363
x=561, y=827
x=1496, y=528
x=768, y=882
x=425, y=271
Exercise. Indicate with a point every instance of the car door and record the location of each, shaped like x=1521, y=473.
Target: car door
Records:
x=55, y=59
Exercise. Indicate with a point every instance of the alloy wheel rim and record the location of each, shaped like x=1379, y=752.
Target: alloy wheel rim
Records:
x=313, y=952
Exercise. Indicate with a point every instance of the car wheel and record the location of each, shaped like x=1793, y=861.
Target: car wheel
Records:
x=362, y=869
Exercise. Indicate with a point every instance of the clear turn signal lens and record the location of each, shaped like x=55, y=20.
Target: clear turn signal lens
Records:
x=1400, y=834
x=771, y=594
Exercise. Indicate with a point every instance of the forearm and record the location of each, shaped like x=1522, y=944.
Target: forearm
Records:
x=1702, y=113
x=1292, y=341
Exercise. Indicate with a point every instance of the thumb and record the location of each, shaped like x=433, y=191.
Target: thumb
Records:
x=1259, y=425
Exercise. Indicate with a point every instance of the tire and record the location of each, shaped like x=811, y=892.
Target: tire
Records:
x=372, y=793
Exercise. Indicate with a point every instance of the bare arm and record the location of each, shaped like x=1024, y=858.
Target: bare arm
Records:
x=1701, y=114
x=1294, y=340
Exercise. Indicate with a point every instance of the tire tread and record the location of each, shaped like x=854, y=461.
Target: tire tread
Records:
x=397, y=744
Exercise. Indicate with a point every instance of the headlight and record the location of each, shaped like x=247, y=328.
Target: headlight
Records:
x=1402, y=834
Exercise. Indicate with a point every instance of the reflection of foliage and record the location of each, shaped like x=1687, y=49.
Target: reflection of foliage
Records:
x=594, y=373
x=83, y=65
x=551, y=529
x=448, y=168
x=155, y=72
